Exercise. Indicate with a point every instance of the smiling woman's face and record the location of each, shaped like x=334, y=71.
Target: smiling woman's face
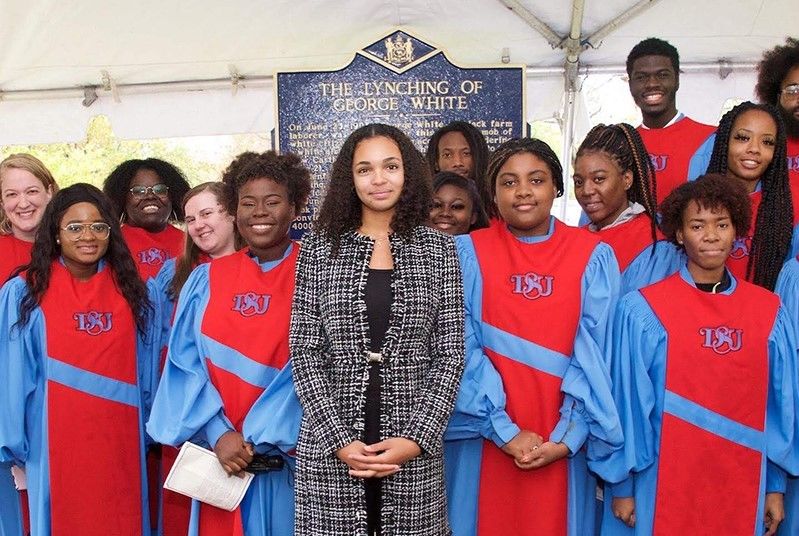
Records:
x=525, y=190
x=149, y=211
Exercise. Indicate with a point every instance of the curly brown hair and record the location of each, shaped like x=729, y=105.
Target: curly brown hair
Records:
x=341, y=209
x=772, y=70
x=286, y=169
x=711, y=191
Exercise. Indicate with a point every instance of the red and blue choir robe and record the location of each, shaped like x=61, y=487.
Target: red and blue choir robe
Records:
x=793, y=162
x=706, y=386
x=174, y=509
x=537, y=312
x=151, y=250
x=739, y=256
x=75, y=396
x=788, y=290
x=13, y=254
x=679, y=152
x=229, y=341
x=641, y=262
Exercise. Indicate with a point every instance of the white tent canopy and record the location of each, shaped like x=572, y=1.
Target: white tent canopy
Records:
x=164, y=69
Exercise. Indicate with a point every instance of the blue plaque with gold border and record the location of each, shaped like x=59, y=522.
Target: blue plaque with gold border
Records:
x=400, y=80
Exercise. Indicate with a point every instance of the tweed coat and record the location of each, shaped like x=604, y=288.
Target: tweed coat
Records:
x=423, y=356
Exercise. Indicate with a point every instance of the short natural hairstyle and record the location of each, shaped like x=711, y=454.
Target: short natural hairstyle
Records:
x=46, y=250
x=32, y=165
x=514, y=146
x=771, y=238
x=444, y=178
x=286, y=169
x=773, y=68
x=341, y=208
x=653, y=47
x=191, y=252
x=711, y=191
x=117, y=184
x=626, y=149
x=478, y=146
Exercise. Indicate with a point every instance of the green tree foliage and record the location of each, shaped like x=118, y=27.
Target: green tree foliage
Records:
x=91, y=160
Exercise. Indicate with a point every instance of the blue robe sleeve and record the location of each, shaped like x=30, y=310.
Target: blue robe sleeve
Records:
x=697, y=166
x=638, y=349
x=794, y=250
x=148, y=356
x=588, y=408
x=274, y=419
x=782, y=425
x=653, y=264
x=187, y=403
x=158, y=290
x=309, y=349
x=21, y=353
x=480, y=405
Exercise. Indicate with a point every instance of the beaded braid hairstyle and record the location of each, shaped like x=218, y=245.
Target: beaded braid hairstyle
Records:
x=624, y=146
x=515, y=146
x=773, y=224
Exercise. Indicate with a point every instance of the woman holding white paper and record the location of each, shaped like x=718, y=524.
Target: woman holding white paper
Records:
x=229, y=343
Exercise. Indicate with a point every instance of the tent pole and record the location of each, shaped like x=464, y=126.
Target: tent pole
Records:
x=570, y=104
x=570, y=74
x=533, y=22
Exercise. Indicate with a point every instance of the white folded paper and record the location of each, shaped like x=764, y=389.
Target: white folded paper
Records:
x=198, y=474
x=20, y=480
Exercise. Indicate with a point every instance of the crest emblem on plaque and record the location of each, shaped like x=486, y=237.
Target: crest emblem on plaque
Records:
x=399, y=51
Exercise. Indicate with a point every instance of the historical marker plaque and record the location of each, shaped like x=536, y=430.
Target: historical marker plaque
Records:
x=399, y=80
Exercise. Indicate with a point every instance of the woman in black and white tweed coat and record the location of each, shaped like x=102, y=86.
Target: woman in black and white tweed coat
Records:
x=372, y=218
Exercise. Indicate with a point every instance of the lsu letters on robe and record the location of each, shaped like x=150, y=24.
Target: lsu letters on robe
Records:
x=77, y=378
x=739, y=256
x=679, y=152
x=151, y=250
x=695, y=458
x=229, y=342
x=536, y=320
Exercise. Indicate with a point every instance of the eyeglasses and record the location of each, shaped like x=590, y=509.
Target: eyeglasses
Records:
x=791, y=91
x=75, y=231
x=141, y=191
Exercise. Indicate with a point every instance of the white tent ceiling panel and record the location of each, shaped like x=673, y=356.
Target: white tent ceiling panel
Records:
x=141, y=116
x=52, y=44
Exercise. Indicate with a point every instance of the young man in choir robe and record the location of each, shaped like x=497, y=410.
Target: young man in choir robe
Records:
x=229, y=343
x=678, y=146
x=698, y=459
x=778, y=85
x=536, y=390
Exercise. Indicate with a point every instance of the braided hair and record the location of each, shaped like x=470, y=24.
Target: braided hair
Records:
x=773, y=225
x=502, y=154
x=624, y=146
